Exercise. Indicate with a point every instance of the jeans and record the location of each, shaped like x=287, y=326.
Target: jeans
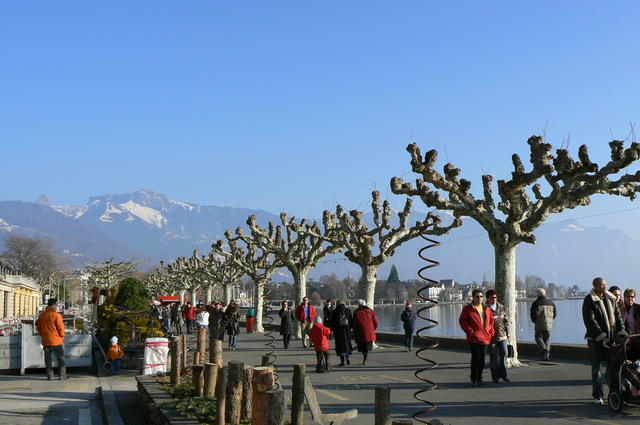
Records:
x=498, y=360
x=232, y=341
x=544, y=346
x=115, y=366
x=167, y=325
x=408, y=339
x=598, y=356
x=58, y=351
x=478, y=353
x=286, y=338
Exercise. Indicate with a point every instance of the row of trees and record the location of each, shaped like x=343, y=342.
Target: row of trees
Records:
x=522, y=205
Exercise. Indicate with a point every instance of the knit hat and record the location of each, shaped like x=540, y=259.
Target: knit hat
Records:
x=408, y=304
x=114, y=339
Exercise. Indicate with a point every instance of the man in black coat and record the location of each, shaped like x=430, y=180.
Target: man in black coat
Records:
x=216, y=317
x=408, y=318
x=603, y=320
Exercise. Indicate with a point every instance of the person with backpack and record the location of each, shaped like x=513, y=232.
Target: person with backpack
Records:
x=340, y=325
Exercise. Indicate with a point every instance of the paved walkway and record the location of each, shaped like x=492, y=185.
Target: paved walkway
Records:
x=551, y=392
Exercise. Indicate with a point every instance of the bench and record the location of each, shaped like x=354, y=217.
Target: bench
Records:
x=316, y=412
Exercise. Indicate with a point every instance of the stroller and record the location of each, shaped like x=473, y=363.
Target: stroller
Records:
x=624, y=373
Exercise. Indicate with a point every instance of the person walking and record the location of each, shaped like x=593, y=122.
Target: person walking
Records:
x=499, y=342
x=326, y=315
x=176, y=318
x=51, y=329
x=115, y=355
x=603, y=322
x=306, y=314
x=186, y=309
x=476, y=320
x=543, y=312
x=202, y=318
x=408, y=318
x=341, y=319
x=319, y=336
x=286, y=323
x=631, y=312
x=192, y=314
x=364, y=327
x=216, y=318
x=231, y=324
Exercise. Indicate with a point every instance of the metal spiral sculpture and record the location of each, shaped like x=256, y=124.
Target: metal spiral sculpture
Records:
x=267, y=320
x=429, y=343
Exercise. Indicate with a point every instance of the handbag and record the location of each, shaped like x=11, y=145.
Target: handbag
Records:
x=510, y=351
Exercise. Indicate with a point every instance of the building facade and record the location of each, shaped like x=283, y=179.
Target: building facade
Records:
x=19, y=295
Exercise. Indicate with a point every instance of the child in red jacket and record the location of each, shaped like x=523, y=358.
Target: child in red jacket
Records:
x=319, y=334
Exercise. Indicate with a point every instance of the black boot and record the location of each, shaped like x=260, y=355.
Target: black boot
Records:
x=341, y=360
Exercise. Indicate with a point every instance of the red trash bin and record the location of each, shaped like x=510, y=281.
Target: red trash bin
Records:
x=250, y=321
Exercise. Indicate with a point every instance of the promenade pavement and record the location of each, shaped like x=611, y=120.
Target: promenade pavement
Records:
x=542, y=392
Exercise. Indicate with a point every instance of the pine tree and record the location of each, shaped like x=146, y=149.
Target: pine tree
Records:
x=393, y=275
x=132, y=295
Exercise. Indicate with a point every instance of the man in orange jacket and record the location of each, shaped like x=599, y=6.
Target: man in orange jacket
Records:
x=51, y=330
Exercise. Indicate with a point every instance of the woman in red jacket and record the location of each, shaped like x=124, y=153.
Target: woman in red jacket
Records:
x=476, y=320
x=364, y=327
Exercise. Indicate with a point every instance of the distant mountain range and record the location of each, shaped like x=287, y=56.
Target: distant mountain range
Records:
x=149, y=226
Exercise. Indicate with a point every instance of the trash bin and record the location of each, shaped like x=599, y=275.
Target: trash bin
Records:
x=250, y=320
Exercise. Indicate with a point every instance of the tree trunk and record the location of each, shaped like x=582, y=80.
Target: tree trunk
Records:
x=227, y=293
x=505, y=277
x=368, y=283
x=247, y=393
x=194, y=296
x=259, y=303
x=183, y=294
x=300, y=291
x=234, y=392
x=208, y=296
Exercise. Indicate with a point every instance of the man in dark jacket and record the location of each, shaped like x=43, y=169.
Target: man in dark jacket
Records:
x=603, y=320
x=408, y=318
x=631, y=312
x=543, y=312
x=216, y=317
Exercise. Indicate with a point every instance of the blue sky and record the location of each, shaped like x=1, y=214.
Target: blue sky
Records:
x=296, y=106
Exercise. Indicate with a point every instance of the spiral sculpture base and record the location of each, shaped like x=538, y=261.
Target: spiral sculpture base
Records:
x=267, y=321
x=428, y=342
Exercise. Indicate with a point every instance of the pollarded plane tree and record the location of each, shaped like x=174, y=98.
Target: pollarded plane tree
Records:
x=220, y=276
x=189, y=277
x=370, y=247
x=253, y=260
x=108, y=273
x=516, y=216
x=300, y=247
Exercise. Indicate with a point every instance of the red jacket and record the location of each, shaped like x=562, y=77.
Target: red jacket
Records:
x=319, y=334
x=50, y=327
x=471, y=324
x=192, y=313
x=364, y=325
x=300, y=313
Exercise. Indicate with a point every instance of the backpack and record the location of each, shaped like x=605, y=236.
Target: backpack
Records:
x=342, y=320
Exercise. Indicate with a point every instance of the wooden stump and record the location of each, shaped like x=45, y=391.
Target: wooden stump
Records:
x=174, y=348
x=221, y=396
x=297, y=395
x=234, y=392
x=215, y=351
x=198, y=379
x=265, y=360
x=263, y=380
x=383, y=405
x=183, y=342
x=196, y=358
x=247, y=393
x=202, y=343
x=210, y=379
x=140, y=365
x=275, y=412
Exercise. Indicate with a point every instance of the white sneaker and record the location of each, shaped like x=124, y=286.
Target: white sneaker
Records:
x=598, y=401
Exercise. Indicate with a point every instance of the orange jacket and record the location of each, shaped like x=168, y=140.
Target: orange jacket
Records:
x=115, y=352
x=50, y=327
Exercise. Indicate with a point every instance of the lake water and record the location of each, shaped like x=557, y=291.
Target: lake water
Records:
x=567, y=327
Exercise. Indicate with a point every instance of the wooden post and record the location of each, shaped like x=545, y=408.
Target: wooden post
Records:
x=196, y=358
x=265, y=360
x=383, y=405
x=247, y=393
x=198, y=379
x=183, y=342
x=276, y=411
x=210, y=379
x=140, y=365
x=263, y=380
x=234, y=391
x=174, y=347
x=215, y=351
x=202, y=343
x=221, y=394
x=297, y=395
